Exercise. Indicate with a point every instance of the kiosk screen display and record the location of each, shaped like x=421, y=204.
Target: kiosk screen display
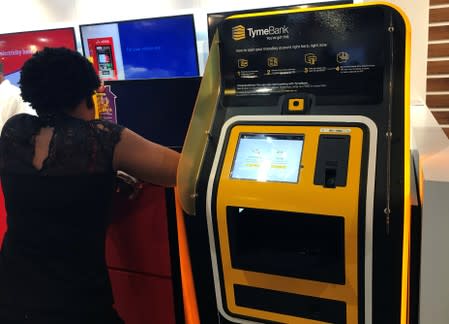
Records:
x=266, y=157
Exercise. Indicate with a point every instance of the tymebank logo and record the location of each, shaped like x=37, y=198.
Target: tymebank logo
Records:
x=270, y=31
x=238, y=32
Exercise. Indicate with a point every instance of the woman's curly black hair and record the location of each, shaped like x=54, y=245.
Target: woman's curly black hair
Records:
x=57, y=80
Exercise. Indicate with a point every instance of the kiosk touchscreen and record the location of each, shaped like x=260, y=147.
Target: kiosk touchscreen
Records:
x=268, y=157
x=294, y=175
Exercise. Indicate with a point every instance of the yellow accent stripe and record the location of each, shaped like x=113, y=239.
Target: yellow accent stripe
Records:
x=191, y=314
x=405, y=294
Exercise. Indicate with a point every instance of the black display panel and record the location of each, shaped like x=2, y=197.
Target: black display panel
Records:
x=337, y=62
x=158, y=109
x=215, y=19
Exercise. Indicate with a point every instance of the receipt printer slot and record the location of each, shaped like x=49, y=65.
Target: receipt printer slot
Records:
x=332, y=161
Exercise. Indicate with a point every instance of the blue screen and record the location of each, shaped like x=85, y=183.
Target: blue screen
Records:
x=158, y=48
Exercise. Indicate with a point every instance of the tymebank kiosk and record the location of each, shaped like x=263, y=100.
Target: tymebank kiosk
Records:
x=294, y=175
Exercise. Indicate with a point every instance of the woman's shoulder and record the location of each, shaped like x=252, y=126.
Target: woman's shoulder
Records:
x=107, y=130
x=20, y=123
x=104, y=126
x=21, y=118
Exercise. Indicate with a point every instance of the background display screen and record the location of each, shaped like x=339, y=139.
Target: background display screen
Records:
x=143, y=49
x=16, y=48
x=265, y=157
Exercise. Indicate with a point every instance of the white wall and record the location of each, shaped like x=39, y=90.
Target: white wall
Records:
x=41, y=14
x=431, y=156
x=22, y=15
x=228, y=5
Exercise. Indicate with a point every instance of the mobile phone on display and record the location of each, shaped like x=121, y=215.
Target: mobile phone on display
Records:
x=106, y=66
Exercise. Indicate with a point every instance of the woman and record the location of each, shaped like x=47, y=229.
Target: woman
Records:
x=58, y=175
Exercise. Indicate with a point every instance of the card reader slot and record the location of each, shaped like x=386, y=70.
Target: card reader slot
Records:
x=331, y=167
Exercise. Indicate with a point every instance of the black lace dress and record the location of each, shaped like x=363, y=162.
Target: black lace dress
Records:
x=52, y=261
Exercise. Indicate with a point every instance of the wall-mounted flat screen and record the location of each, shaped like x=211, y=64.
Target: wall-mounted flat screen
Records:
x=265, y=157
x=163, y=47
x=214, y=19
x=16, y=48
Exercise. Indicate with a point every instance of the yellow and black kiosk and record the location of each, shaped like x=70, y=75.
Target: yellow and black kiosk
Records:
x=294, y=175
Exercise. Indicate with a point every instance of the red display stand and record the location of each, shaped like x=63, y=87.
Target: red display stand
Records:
x=143, y=298
x=138, y=257
x=2, y=216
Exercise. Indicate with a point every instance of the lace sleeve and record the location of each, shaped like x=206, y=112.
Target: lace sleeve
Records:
x=76, y=146
x=15, y=139
x=109, y=134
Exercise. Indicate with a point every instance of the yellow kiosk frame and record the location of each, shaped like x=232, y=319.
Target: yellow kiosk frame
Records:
x=326, y=125
x=211, y=170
